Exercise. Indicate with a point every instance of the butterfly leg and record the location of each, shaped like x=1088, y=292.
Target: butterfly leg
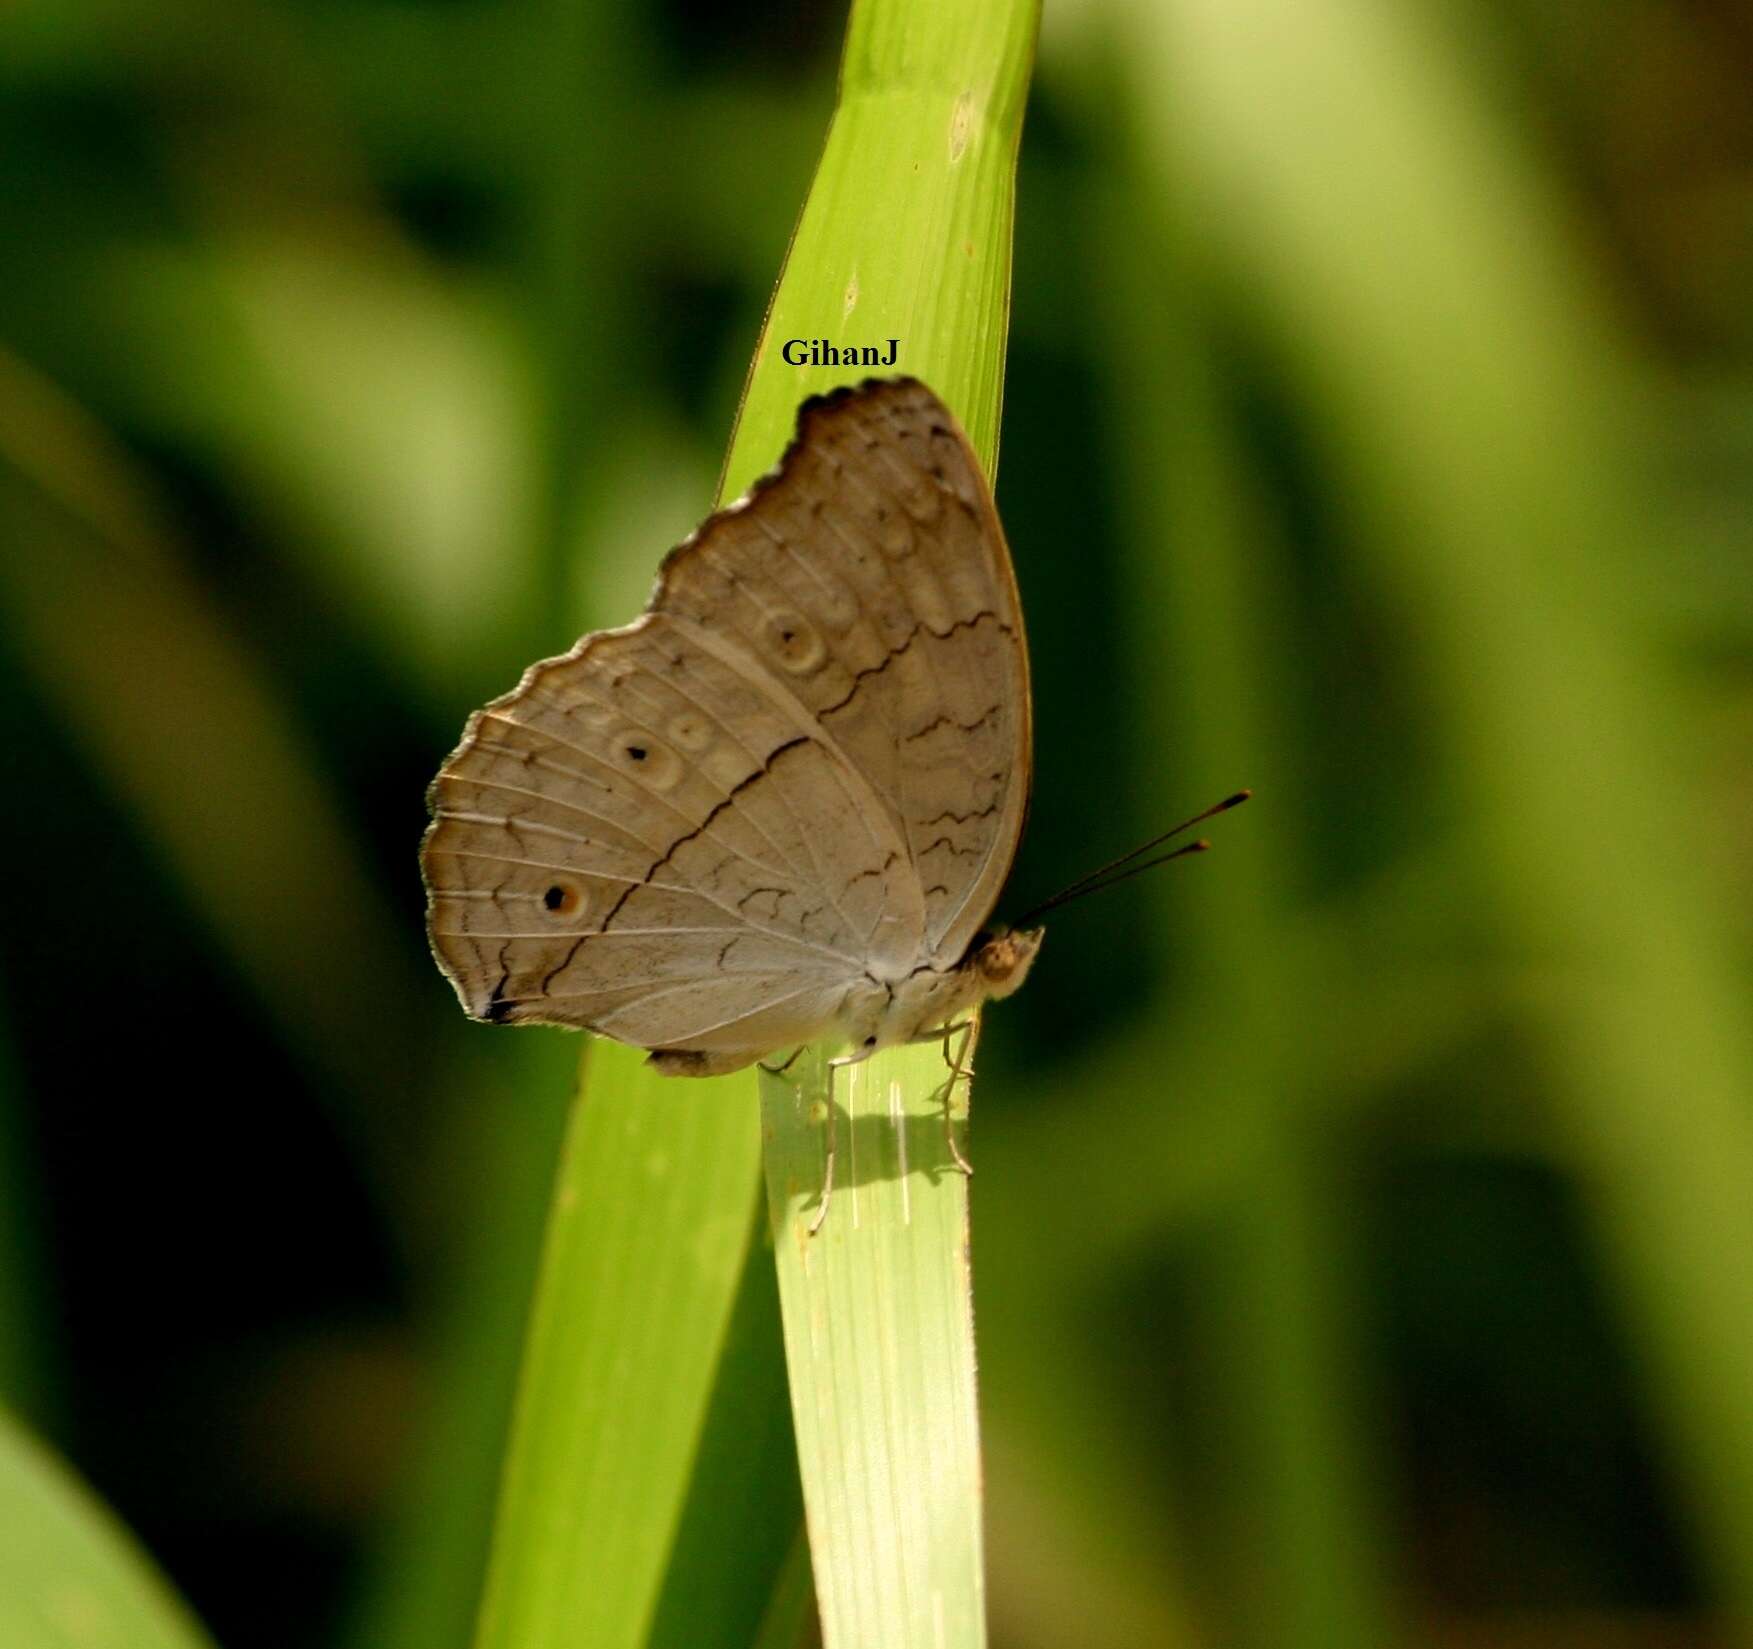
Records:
x=957, y=1065
x=958, y=1070
x=833, y=1134
x=780, y=1070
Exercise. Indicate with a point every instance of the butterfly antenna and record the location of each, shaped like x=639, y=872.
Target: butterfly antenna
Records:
x=1102, y=878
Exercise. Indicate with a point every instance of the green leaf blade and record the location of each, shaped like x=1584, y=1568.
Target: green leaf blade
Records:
x=70, y=1576
x=907, y=230
x=878, y=1312
x=649, y=1226
x=906, y=235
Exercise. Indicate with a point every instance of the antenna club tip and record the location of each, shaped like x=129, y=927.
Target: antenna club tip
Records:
x=1200, y=846
x=1235, y=800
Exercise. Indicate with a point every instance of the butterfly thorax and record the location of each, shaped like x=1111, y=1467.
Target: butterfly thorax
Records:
x=878, y=1015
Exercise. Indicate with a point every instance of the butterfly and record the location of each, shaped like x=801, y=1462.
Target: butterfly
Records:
x=779, y=807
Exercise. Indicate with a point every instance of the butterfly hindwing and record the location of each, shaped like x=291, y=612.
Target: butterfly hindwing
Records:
x=605, y=832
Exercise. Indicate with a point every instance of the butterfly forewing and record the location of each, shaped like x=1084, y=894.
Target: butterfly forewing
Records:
x=806, y=764
x=873, y=577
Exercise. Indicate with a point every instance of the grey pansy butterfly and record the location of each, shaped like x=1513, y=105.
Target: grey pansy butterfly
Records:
x=780, y=805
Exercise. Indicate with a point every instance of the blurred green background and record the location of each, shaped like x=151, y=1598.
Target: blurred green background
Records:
x=1364, y=1227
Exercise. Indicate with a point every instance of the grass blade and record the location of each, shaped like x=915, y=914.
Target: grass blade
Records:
x=70, y=1576
x=649, y=1226
x=879, y=1341
x=723, y=1593
x=907, y=230
x=906, y=235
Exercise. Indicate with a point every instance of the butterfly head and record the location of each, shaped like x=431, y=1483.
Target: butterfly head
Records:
x=1002, y=959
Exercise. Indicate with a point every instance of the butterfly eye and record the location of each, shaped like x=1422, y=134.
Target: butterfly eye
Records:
x=895, y=535
x=691, y=731
x=652, y=762
x=563, y=899
x=922, y=501
x=794, y=642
